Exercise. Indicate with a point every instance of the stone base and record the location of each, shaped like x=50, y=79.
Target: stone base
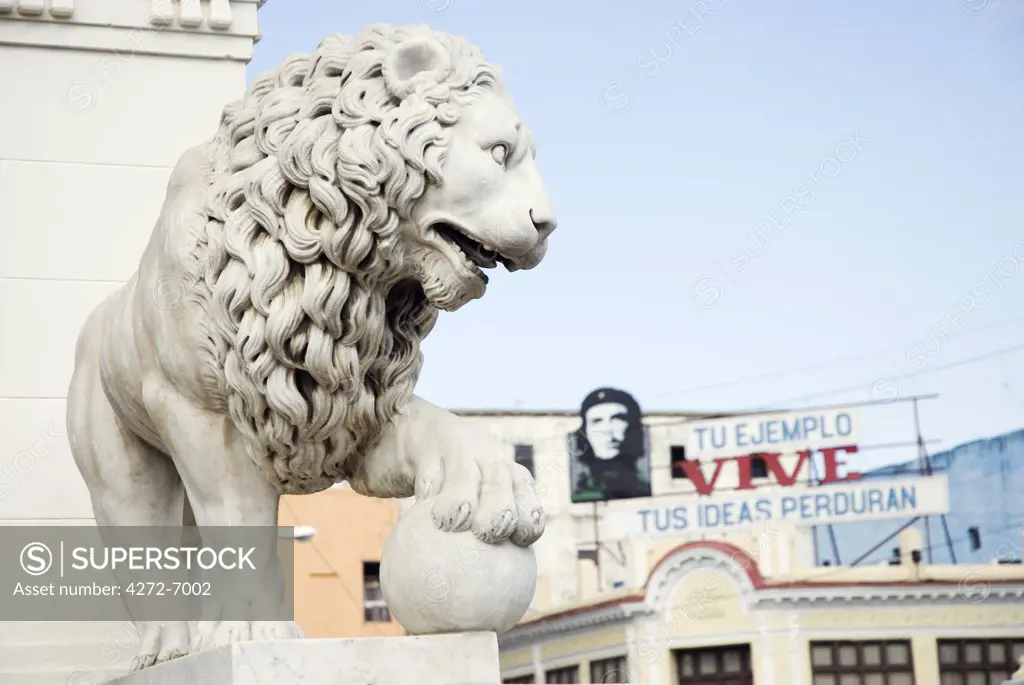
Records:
x=455, y=659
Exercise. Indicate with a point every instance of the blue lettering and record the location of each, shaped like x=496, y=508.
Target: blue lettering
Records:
x=859, y=504
x=894, y=501
x=805, y=506
x=727, y=519
x=842, y=503
x=700, y=516
x=773, y=432
x=791, y=431
x=844, y=427
x=679, y=518
x=745, y=516
x=760, y=435
x=709, y=521
x=875, y=501
x=657, y=520
x=764, y=509
x=741, y=430
x=910, y=497
x=643, y=517
x=788, y=505
x=700, y=437
x=810, y=425
x=714, y=439
x=822, y=503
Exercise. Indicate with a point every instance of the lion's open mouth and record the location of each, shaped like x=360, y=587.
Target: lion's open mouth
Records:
x=477, y=255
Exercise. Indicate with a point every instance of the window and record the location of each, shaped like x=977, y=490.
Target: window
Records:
x=677, y=455
x=569, y=674
x=966, y=662
x=758, y=467
x=611, y=671
x=527, y=679
x=375, y=609
x=862, y=663
x=524, y=456
x=729, y=665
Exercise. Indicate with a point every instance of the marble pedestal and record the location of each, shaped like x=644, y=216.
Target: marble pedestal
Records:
x=454, y=659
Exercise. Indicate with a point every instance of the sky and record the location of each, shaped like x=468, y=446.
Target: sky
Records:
x=761, y=205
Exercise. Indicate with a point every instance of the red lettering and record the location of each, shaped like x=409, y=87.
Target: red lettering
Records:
x=696, y=475
x=775, y=466
x=746, y=477
x=832, y=464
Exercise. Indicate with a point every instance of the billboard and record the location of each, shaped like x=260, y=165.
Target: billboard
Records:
x=784, y=432
x=861, y=500
x=609, y=452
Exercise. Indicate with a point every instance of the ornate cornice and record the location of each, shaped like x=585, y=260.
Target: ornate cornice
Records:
x=757, y=593
x=606, y=616
x=674, y=567
x=868, y=595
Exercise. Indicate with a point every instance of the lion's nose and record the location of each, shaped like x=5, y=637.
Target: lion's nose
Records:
x=544, y=221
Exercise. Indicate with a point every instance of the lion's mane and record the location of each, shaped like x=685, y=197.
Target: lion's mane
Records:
x=313, y=324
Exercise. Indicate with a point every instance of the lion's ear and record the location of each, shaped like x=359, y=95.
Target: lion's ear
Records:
x=413, y=63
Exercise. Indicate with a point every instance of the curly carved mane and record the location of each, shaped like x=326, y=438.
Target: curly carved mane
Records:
x=313, y=319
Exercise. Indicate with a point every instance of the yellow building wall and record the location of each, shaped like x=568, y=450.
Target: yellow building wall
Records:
x=328, y=582
x=707, y=609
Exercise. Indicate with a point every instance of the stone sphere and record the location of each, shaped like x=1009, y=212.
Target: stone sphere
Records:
x=440, y=582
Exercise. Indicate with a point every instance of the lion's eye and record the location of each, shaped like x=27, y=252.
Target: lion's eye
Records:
x=500, y=153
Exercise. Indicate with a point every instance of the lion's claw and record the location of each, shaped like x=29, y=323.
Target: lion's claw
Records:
x=452, y=519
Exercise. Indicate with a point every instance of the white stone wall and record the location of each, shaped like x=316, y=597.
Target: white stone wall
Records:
x=97, y=101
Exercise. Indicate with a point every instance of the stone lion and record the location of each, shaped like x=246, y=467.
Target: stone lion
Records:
x=269, y=341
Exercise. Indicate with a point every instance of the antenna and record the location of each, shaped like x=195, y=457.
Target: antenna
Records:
x=925, y=464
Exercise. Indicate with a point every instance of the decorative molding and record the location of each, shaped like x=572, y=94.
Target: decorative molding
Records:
x=606, y=616
x=675, y=567
x=161, y=12
x=6, y=6
x=190, y=14
x=30, y=8
x=220, y=14
x=62, y=9
x=870, y=595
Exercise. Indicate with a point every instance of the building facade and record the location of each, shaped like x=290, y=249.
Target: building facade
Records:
x=986, y=510
x=764, y=603
x=337, y=571
x=707, y=614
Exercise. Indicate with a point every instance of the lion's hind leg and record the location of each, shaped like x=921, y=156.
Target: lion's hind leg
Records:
x=129, y=482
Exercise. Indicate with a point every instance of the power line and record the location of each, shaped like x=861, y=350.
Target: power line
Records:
x=827, y=363
x=913, y=374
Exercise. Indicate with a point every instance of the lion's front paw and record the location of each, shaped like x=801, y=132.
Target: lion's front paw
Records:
x=494, y=498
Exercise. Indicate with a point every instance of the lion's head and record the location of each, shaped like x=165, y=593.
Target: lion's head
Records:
x=356, y=192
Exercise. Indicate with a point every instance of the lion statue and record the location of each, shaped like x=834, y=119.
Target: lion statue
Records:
x=269, y=342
